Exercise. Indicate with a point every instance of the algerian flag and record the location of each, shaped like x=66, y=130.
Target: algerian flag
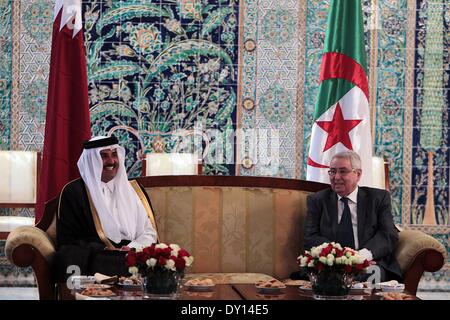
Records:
x=342, y=117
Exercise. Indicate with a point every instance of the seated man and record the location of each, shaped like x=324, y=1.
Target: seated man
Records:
x=101, y=215
x=356, y=217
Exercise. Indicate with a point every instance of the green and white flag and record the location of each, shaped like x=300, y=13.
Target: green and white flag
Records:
x=342, y=117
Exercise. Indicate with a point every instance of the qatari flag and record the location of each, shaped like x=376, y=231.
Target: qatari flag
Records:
x=342, y=116
x=67, y=122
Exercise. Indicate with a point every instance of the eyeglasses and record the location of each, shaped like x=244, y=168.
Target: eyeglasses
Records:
x=342, y=172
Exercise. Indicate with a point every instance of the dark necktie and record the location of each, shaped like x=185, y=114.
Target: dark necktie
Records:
x=345, y=229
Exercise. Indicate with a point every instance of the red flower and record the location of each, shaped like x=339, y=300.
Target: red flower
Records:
x=157, y=252
x=166, y=252
x=142, y=257
x=359, y=266
x=161, y=253
x=162, y=261
x=131, y=258
x=149, y=250
x=183, y=253
x=339, y=253
x=326, y=251
x=180, y=264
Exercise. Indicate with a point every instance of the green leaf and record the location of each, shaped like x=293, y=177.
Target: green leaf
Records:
x=183, y=51
x=114, y=71
x=130, y=11
x=226, y=110
x=94, y=51
x=108, y=108
x=214, y=19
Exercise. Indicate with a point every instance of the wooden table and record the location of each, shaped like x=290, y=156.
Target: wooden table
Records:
x=250, y=292
x=224, y=292
x=218, y=292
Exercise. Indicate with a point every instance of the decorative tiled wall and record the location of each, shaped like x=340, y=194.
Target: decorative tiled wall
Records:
x=5, y=72
x=156, y=67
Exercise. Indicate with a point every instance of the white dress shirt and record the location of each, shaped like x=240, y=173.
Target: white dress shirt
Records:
x=352, y=204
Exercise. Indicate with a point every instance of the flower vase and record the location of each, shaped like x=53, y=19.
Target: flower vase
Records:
x=329, y=284
x=162, y=284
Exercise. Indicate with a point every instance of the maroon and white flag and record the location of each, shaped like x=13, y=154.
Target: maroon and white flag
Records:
x=67, y=122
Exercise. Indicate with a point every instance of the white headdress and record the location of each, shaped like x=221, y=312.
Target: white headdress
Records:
x=127, y=218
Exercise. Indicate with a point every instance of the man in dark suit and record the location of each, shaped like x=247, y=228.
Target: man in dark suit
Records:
x=356, y=217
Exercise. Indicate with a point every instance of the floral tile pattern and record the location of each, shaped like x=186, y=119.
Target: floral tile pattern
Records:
x=156, y=82
x=431, y=115
x=390, y=104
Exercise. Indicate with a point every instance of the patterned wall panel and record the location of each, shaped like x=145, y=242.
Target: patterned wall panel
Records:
x=430, y=133
x=162, y=71
x=389, y=102
x=5, y=73
x=269, y=94
x=316, y=23
x=36, y=18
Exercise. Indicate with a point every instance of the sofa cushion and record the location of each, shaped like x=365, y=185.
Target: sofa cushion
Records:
x=233, y=229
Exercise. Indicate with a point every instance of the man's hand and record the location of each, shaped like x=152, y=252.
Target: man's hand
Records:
x=125, y=248
x=366, y=254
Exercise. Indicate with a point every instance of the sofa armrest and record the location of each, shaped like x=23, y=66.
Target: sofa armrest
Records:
x=31, y=246
x=416, y=253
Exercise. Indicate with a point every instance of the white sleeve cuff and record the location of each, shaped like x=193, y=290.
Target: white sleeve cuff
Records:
x=366, y=254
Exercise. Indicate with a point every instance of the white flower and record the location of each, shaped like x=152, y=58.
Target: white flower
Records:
x=174, y=246
x=330, y=259
x=133, y=270
x=358, y=259
x=170, y=264
x=151, y=262
x=174, y=253
x=315, y=252
x=161, y=246
x=353, y=259
x=303, y=261
x=188, y=260
x=323, y=260
x=311, y=264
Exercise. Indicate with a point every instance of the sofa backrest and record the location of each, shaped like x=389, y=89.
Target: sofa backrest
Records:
x=233, y=224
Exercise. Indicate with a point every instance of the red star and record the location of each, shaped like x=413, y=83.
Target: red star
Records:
x=338, y=129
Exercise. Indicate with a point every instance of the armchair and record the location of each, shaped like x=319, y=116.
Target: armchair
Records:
x=259, y=231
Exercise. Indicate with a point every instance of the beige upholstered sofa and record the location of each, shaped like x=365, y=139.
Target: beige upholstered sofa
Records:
x=238, y=229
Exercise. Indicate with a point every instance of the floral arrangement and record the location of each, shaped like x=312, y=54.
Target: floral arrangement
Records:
x=158, y=257
x=333, y=256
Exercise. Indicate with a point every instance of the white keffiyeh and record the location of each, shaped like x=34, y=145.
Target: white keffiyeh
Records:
x=127, y=219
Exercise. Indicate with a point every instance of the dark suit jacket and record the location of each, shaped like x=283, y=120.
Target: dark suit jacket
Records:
x=376, y=229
